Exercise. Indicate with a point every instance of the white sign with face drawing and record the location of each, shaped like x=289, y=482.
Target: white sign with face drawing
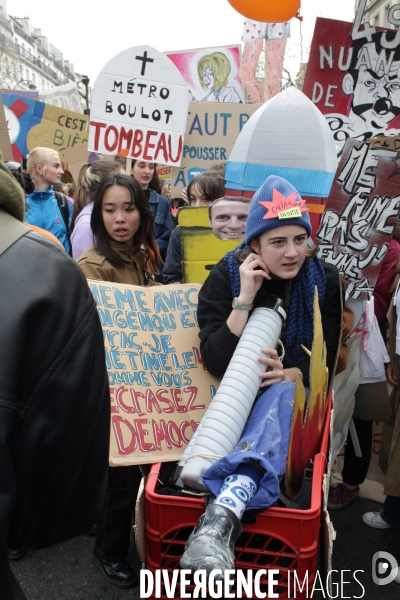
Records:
x=140, y=107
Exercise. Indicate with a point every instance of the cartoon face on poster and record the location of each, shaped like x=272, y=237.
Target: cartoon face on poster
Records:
x=360, y=214
x=211, y=74
x=353, y=76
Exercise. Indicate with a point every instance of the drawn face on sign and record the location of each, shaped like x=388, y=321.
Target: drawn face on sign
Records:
x=208, y=78
x=374, y=83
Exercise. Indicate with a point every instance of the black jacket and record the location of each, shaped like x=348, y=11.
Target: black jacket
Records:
x=218, y=343
x=54, y=400
x=172, y=272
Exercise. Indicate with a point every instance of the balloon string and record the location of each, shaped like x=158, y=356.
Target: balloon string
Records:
x=301, y=36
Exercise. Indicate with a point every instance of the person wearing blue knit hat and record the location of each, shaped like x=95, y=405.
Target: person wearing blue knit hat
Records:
x=275, y=258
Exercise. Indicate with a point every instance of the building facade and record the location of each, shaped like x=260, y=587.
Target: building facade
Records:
x=28, y=60
x=376, y=12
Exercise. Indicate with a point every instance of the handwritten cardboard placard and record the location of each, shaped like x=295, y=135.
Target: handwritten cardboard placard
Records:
x=201, y=249
x=32, y=123
x=211, y=132
x=360, y=214
x=5, y=145
x=389, y=141
x=159, y=386
x=139, y=107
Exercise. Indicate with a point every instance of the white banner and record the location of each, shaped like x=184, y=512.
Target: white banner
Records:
x=140, y=107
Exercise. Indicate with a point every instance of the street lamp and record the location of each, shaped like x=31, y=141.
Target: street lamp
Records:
x=28, y=82
x=85, y=80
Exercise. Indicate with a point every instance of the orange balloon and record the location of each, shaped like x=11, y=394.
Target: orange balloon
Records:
x=267, y=11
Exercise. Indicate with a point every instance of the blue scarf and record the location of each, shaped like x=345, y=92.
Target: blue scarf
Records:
x=300, y=318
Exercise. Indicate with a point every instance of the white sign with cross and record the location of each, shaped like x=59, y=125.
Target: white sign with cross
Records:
x=140, y=107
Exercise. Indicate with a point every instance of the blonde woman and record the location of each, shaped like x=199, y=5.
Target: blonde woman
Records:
x=213, y=70
x=46, y=208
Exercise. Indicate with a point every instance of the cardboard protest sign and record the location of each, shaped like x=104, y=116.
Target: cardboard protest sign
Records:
x=139, y=107
x=158, y=383
x=211, y=74
x=78, y=156
x=308, y=414
x=360, y=214
x=210, y=135
x=32, y=123
x=352, y=76
x=392, y=142
x=163, y=172
x=5, y=145
x=201, y=250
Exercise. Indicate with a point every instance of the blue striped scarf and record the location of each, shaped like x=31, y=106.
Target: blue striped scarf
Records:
x=300, y=319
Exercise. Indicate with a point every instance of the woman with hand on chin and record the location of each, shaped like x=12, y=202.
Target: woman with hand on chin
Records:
x=274, y=259
x=146, y=175
x=126, y=252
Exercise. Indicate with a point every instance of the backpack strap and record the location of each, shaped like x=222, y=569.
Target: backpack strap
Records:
x=63, y=206
x=11, y=230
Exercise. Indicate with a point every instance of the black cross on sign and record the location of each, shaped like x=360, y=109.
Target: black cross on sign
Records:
x=144, y=60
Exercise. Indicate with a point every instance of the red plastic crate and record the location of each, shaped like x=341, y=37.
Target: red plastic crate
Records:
x=281, y=538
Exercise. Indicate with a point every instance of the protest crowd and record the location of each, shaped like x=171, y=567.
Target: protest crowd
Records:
x=316, y=259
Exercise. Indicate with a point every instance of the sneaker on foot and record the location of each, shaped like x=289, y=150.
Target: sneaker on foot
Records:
x=340, y=495
x=374, y=519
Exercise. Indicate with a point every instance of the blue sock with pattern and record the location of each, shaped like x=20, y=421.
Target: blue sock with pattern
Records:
x=239, y=488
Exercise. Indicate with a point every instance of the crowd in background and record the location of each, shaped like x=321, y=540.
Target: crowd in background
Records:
x=123, y=228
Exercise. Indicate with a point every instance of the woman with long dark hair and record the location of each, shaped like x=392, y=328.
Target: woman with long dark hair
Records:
x=124, y=251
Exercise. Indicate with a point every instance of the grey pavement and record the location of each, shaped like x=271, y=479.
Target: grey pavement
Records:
x=68, y=571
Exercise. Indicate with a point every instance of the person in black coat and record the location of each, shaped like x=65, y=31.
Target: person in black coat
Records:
x=54, y=395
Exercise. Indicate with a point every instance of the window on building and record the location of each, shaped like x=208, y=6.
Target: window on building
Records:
x=33, y=77
x=42, y=84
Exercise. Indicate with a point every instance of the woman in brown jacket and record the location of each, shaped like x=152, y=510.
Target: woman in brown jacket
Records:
x=125, y=251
